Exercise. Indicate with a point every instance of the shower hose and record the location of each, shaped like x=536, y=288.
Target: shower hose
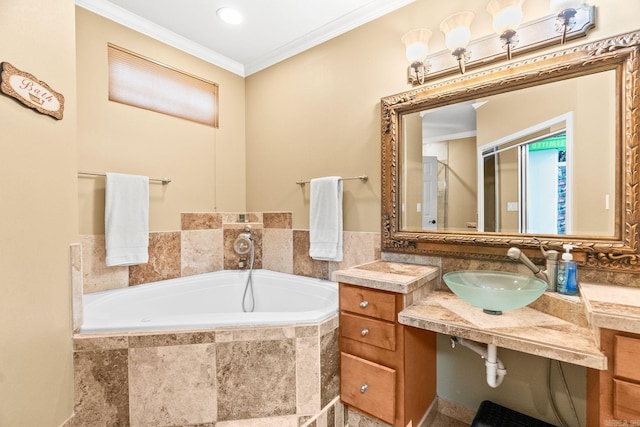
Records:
x=248, y=287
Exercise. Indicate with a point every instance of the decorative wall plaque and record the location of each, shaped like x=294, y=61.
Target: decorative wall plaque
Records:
x=31, y=92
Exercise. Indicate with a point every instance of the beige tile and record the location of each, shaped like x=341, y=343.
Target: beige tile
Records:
x=201, y=251
x=277, y=219
x=303, y=264
x=200, y=221
x=172, y=385
x=256, y=379
x=231, y=258
x=96, y=275
x=328, y=325
x=306, y=331
x=101, y=391
x=254, y=218
x=357, y=419
x=161, y=340
x=308, y=375
x=358, y=247
x=255, y=334
x=277, y=250
x=286, y=421
x=75, y=254
x=93, y=343
x=164, y=259
x=329, y=381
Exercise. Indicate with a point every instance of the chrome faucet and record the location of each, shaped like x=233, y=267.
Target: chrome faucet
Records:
x=548, y=275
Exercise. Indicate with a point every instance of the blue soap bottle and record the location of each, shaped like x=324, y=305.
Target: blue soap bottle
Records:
x=567, y=281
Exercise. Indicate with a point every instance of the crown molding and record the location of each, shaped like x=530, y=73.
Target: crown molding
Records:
x=148, y=28
x=333, y=29
x=367, y=13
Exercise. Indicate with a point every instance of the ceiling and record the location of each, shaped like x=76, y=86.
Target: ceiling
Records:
x=272, y=30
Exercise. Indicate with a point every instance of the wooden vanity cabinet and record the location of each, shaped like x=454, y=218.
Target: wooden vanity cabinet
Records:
x=614, y=394
x=387, y=370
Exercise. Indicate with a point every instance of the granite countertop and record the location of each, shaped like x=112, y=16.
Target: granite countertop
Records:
x=526, y=329
x=388, y=276
x=612, y=307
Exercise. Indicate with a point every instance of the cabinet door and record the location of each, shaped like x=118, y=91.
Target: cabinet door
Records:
x=368, y=386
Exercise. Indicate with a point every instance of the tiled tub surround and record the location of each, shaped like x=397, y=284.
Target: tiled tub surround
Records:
x=244, y=377
x=205, y=244
x=233, y=377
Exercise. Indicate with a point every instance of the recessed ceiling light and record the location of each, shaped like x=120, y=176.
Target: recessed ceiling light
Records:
x=230, y=15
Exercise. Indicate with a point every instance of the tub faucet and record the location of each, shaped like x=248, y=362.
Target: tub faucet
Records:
x=548, y=275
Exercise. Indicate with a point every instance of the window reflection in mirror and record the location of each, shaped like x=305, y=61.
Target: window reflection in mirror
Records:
x=527, y=161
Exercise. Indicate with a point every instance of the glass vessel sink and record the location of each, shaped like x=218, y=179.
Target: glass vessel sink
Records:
x=495, y=291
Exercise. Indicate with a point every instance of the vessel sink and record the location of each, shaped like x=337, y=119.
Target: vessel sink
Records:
x=495, y=291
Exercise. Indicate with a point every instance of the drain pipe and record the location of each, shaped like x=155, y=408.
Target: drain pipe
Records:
x=495, y=367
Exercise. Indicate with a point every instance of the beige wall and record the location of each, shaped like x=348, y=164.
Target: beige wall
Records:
x=412, y=171
x=39, y=219
x=206, y=165
x=591, y=99
x=318, y=113
x=462, y=184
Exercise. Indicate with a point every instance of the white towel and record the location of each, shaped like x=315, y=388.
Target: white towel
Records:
x=325, y=219
x=126, y=219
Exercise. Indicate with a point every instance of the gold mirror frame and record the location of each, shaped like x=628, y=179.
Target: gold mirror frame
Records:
x=618, y=253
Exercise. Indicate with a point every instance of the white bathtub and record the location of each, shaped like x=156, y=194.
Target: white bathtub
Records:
x=210, y=300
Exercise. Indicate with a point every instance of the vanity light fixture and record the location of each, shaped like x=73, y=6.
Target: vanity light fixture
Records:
x=416, y=44
x=457, y=35
x=573, y=18
x=566, y=11
x=507, y=16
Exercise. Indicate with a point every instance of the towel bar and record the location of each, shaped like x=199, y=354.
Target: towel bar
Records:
x=363, y=178
x=164, y=181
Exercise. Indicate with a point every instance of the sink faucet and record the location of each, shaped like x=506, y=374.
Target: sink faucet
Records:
x=548, y=275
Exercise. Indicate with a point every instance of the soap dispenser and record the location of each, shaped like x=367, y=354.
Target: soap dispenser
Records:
x=567, y=283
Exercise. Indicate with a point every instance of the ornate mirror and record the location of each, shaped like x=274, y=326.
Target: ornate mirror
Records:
x=542, y=149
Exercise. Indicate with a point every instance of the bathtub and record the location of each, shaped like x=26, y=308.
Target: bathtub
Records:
x=210, y=300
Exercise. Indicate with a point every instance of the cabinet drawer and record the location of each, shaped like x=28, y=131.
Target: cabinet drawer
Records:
x=368, y=386
x=626, y=396
x=368, y=302
x=625, y=357
x=369, y=331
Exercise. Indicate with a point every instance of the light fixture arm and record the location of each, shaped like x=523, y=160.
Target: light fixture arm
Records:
x=565, y=23
x=462, y=55
x=509, y=40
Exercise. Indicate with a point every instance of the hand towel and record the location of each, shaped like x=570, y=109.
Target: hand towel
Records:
x=126, y=219
x=325, y=219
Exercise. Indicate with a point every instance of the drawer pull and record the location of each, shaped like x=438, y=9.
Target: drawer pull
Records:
x=364, y=332
x=364, y=388
x=364, y=304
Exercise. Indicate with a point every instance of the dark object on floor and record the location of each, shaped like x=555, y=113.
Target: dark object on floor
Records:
x=493, y=415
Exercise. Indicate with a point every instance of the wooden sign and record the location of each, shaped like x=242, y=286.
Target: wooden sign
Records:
x=31, y=92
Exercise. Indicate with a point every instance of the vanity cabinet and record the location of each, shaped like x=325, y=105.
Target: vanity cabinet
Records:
x=614, y=395
x=387, y=370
